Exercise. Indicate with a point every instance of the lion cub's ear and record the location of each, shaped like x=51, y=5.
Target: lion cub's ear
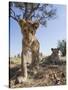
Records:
x=22, y=23
x=52, y=49
x=35, y=25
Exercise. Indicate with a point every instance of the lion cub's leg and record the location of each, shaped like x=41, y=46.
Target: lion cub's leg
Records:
x=35, y=55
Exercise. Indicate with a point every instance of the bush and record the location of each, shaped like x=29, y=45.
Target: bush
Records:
x=11, y=62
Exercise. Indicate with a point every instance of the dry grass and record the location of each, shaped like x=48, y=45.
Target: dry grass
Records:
x=47, y=75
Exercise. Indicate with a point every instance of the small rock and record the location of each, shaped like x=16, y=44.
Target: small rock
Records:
x=62, y=75
x=47, y=76
x=20, y=80
x=57, y=82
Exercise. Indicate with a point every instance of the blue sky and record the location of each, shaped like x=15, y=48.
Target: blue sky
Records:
x=47, y=36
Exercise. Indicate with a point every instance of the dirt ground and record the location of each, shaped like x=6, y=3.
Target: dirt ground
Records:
x=47, y=75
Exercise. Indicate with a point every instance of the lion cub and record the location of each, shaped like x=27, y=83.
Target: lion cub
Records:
x=53, y=58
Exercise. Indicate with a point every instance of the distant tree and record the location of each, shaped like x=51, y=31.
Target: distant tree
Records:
x=31, y=11
x=15, y=56
x=18, y=55
x=62, y=47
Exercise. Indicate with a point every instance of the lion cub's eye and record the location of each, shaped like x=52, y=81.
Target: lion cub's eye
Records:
x=31, y=31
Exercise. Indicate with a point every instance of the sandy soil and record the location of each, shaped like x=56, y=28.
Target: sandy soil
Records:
x=47, y=75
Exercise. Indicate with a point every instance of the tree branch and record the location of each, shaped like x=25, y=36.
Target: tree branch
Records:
x=24, y=15
x=32, y=10
x=14, y=18
x=12, y=11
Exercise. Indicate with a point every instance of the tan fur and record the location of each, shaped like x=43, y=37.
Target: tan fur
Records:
x=29, y=42
x=54, y=57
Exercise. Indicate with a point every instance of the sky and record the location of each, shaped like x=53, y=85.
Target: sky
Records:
x=47, y=36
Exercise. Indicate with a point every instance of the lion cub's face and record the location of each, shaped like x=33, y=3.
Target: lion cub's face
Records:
x=55, y=51
x=28, y=26
x=28, y=29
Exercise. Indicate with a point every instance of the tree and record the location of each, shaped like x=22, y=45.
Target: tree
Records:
x=62, y=47
x=18, y=55
x=35, y=12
